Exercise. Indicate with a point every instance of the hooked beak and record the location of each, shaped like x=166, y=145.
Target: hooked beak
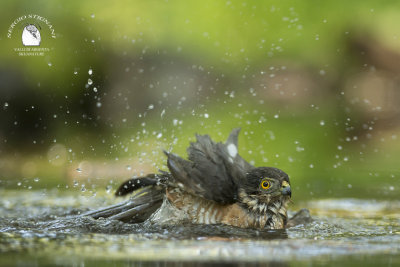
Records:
x=285, y=189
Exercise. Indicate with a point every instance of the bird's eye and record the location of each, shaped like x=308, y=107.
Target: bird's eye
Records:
x=265, y=184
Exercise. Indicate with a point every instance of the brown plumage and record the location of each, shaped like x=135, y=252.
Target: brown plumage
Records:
x=215, y=186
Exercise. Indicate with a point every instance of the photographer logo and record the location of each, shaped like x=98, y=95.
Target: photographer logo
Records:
x=33, y=31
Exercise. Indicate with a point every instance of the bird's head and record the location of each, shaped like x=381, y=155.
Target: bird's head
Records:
x=265, y=189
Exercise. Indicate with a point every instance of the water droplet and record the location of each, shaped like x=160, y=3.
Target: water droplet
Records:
x=311, y=166
x=95, y=89
x=49, y=64
x=162, y=113
x=175, y=122
x=90, y=71
x=206, y=115
x=108, y=189
x=128, y=167
x=36, y=179
x=276, y=116
x=78, y=170
x=5, y=105
x=322, y=123
x=92, y=16
x=151, y=106
x=339, y=147
x=19, y=183
x=98, y=104
x=159, y=135
x=89, y=81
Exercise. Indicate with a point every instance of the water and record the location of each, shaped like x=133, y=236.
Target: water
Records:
x=44, y=228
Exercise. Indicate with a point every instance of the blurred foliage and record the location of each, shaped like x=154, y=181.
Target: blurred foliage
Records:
x=164, y=70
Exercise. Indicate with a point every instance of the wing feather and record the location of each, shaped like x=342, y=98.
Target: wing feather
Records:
x=213, y=171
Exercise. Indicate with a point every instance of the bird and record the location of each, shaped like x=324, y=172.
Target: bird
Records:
x=215, y=185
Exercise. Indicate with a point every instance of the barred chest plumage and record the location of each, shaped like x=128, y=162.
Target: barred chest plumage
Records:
x=181, y=206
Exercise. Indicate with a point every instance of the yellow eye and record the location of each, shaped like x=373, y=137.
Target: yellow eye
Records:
x=265, y=184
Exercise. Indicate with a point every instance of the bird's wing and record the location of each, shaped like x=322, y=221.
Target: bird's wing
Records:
x=134, y=184
x=213, y=170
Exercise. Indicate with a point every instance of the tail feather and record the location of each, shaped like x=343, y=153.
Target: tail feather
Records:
x=143, y=202
x=131, y=213
x=108, y=211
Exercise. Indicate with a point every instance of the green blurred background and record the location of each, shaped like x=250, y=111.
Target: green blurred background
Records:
x=313, y=85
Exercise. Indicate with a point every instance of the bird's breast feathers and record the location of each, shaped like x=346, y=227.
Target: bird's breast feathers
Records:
x=199, y=210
